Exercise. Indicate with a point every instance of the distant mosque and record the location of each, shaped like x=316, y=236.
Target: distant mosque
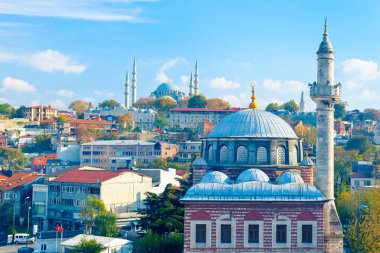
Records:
x=163, y=90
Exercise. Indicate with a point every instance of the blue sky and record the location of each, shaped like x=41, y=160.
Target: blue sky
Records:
x=58, y=51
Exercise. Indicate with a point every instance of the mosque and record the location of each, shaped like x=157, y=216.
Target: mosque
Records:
x=163, y=90
x=255, y=191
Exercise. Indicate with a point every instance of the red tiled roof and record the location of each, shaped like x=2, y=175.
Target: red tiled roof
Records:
x=181, y=172
x=87, y=176
x=234, y=109
x=48, y=121
x=18, y=179
x=89, y=121
x=2, y=177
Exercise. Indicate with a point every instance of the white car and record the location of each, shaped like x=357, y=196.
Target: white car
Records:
x=23, y=238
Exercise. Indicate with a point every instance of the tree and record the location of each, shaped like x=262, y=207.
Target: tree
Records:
x=273, y=107
x=111, y=103
x=340, y=110
x=361, y=143
x=161, y=120
x=61, y=119
x=145, y=103
x=343, y=167
x=156, y=243
x=306, y=132
x=291, y=106
x=88, y=246
x=164, y=104
x=126, y=121
x=217, y=103
x=84, y=134
x=158, y=163
x=12, y=159
x=198, y=101
x=20, y=112
x=93, y=207
x=163, y=213
x=43, y=143
x=7, y=110
x=106, y=224
x=79, y=107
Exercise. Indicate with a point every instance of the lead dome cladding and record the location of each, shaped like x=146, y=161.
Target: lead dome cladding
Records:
x=252, y=175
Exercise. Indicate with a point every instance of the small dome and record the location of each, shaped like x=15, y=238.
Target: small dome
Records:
x=289, y=177
x=215, y=177
x=307, y=162
x=252, y=175
x=253, y=123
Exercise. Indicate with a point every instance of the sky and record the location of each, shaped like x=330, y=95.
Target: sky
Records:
x=57, y=51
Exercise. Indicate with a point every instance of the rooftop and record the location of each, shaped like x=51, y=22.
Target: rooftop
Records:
x=87, y=176
x=234, y=109
x=18, y=179
x=120, y=142
x=105, y=241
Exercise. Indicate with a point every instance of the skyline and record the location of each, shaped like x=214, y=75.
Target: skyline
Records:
x=59, y=52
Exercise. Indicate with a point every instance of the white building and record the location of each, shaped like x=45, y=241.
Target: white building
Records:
x=161, y=178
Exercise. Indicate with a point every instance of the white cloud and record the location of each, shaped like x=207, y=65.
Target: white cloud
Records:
x=89, y=99
x=367, y=94
x=161, y=75
x=35, y=102
x=357, y=72
x=3, y=100
x=283, y=86
x=110, y=94
x=95, y=10
x=223, y=84
x=51, y=61
x=17, y=85
x=5, y=57
x=242, y=100
x=185, y=80
x=65, y=93
x=58, y=104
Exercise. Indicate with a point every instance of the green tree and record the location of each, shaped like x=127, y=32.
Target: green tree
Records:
x=79, y=107
x=340, y=110
x=20, y=112
x=61, y=119
x=217, y=103
x=163, y=213
x=361, y=143
x=93, y=207
x=111, y=103
x=106, y=224
x=161, y=121
x=273, y=107
x=156, y=243
x=88, y=246
x=158, y=163
x=12, y=159
x=164, y=104
x=7, y=110
x=198, y=101
x=291, y=106
x=43, y=143
x=342, y=167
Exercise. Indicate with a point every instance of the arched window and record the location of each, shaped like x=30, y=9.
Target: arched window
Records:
x=295, y=154
x=209, y=153
x=223, y=154
x=241, y=154
x=262, y=155
x=281, y=155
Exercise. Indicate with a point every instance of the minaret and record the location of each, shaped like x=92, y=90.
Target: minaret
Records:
x=191, y=92
x=253, y=104
x=302, y=103
x=134, y=83
x=196, y=79
x=325, y=94
x=126, y=93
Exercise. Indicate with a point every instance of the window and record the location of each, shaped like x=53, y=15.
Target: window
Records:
x=307, y=233
x=223, y=156
x=200, y=233
x=225, y=233
x=210, y=153
x=281, y=155
x=295, y=154
x=241, y=154
x=367, y=182
x=281, y=234
x=356, y=183
x=262, y=155
x=253, y=233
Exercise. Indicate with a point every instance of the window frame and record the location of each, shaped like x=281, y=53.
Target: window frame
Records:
x=200, y=237
x=260, y=223
x=314, y=233
x=226, y=219
x=193, y=243
x=281, y=220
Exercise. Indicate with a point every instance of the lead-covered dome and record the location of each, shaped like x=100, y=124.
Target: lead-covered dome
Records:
x=215, y=177
x=252, y=175
x=253, y=123
x=289, y=177
x=167, y=86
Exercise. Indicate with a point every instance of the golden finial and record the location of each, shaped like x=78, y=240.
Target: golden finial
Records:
x=253, y=104
x=307, y=154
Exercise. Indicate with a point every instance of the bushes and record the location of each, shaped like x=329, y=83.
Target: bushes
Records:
x=156, y=243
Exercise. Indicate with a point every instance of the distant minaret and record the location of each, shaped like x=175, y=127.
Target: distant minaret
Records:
x=191, y=93
x=302, y=103
x=126, y=93
x=196, y=79
x=325, y=94
x=134, y=83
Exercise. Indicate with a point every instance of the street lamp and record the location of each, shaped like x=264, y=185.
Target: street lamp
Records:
x=360, y=208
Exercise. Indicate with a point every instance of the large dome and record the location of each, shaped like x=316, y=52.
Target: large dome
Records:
x=253, y=123
x=167, y=86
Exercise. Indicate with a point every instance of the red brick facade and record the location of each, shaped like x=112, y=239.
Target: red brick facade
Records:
x=266, y=212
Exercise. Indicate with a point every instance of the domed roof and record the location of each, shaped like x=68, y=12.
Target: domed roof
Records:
x=289, y=177
x=307, y=162
x=167, y=86
x=253, y=123
x=252, y=175
x=215, y=177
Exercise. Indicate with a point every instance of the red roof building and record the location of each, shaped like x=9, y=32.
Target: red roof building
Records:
x=72, y=125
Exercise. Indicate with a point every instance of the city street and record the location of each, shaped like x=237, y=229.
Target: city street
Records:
x=12, y=248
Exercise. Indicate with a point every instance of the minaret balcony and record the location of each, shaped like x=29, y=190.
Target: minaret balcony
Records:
x=326, y=91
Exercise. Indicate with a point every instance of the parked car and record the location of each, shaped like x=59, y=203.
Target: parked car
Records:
x=23, y=238
x=25, y=250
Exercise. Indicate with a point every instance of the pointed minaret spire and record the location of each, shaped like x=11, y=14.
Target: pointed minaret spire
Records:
x=134, y=83
x=191, y=92
x=325, y=32
x=302, y=103
x=253, y=104
x=196, y=79
x=126, y=93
